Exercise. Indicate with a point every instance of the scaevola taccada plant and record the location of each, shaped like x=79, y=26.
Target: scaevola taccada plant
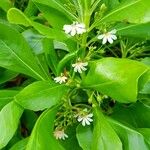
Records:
x=79, y=75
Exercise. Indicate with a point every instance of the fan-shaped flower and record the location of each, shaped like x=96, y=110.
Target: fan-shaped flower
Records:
x=75, y=28
x=108, y=37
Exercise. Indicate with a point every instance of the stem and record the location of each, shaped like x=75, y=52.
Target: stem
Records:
x=85, y=36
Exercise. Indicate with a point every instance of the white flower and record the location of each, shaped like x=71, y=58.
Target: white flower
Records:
x=60, y=134
x=85, y=119
x=60, y=79
x=75, y=28
x=80, y=66
x=108, y=37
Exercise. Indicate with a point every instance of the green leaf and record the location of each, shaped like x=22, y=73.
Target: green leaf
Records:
x=42, y=137
x=146, y=133
x=135, y=31
x=144, y=83
x=15, y=16
x=65, y=60
x=41, y=95
x=84, y=136
x=130, y=138
x=6, y=96
x=133, y=11
x=21, y=145
x=50, y=32
x=136, y=115
x=146, y=61
x=50, y=54
x=34, y=40
x=6, y=75
x=115, y=77
x=55, y=12
x=9, y=120
x=6, y=4
x=16, y=55
x=104, y=137
x=71, y=140
x=112, y=4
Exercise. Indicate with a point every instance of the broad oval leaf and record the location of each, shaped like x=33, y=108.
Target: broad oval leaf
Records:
x=104, y=137
x=133, y=11
x=135, y=30
x=136, y=115
x=55, y=12
x=16, y=55
x=117, y=78
x=130, y=138
x=15, y=16
x=20, y=145
x=84, y=136
x=146, y=133
x=42, y=137
x=6, y=4
x=41, y=95
x=9, y=120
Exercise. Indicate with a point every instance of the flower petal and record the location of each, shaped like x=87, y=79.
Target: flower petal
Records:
x=67, y=28
x=104, y=40
x=73, y=32
x=101, y=36
x=84, y=122
x=114, y=37
x=110, y=40
x=87, y=122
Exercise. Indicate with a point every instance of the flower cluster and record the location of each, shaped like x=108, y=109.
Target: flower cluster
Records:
x=79, y=67
x=79, y=28
x=83, y=116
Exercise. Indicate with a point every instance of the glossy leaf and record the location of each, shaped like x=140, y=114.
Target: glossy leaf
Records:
x=65, y=60
x=55, y=12
x=104, y=137
x=41, y=95
x=138, y=9
x=129, y=137
x=6, y=4
x=9, y=120
x=42, y=137
x=136, y=115
x=21, y=145
x=84, y=136
x=15, y=16
x=35, y=40
x=117, y=78
x=6, y=75
x=135, y=30
x=50, y=54
x=6, y=96
x=146, y=133
x=71, y=141
x=16, y=55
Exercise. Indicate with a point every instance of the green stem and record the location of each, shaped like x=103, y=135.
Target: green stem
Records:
x=85, y=36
